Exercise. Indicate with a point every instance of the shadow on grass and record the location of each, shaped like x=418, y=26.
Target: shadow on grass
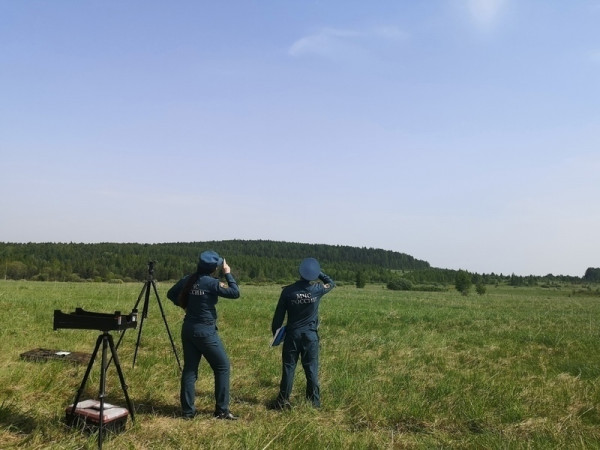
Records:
x=14, y=420
x=152, y=406
x=157, y=407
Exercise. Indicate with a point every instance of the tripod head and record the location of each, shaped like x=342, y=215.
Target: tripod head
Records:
x=151, y=269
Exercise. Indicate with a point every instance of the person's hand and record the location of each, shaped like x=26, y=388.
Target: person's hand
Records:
x=226, y=268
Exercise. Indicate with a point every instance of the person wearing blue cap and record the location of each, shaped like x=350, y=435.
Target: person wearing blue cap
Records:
x=198, y=294
x=301, y=303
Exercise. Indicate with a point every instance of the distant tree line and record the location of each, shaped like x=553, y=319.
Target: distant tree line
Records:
x=257, y=261
x=434, y=279
x=251, y=261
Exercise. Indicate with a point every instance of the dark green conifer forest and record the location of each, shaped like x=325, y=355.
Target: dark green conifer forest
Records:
x=256, y=261
x=252, y=261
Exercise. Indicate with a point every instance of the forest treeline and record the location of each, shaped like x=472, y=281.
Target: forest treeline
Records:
x=251, y=260
x=258, y=261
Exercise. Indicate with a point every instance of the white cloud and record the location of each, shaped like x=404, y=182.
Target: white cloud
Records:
x=327, y=41
x=334, y=42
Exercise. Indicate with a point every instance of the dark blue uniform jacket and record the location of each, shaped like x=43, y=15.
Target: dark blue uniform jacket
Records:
x=301, y=302
x=203, y=297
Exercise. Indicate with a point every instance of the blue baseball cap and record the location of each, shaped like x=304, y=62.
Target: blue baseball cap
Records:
x=209, y=260
x=310, y=269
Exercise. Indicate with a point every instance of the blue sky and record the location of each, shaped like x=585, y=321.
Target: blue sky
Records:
x=462, y=132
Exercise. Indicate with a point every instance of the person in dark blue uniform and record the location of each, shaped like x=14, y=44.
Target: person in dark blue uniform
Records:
x=198, y=294
x=301, y=303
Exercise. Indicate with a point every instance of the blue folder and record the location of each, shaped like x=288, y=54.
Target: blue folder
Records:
x=278, y=336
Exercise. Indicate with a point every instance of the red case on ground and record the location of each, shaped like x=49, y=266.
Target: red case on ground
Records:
x=87, y=415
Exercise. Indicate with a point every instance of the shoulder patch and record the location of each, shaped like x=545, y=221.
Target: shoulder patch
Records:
x=223, y=285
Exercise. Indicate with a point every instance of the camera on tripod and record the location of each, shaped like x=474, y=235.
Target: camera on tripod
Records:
x=151, y=267
x=149, y=285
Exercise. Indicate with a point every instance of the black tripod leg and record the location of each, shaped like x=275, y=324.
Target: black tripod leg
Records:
x=145, y=292
x=144, y=315
x=144, y=288
x=85, y=378
x=166, y=325
x=121, y=377
x=102, y=393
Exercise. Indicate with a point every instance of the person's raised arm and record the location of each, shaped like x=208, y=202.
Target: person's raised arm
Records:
x=232, y=290
x=328, y=283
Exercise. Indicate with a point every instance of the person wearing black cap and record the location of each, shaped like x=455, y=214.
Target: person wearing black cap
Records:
x=198, y=294
x=301, y=303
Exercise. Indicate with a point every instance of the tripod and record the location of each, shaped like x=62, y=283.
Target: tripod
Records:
x=107, y=342
x=145, y=292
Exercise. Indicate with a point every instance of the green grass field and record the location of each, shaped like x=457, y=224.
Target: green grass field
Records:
x=514, y=368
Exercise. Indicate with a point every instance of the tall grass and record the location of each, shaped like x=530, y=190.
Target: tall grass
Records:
x=515, y=368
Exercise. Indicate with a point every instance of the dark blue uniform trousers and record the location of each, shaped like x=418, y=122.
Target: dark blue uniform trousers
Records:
x=195, y=345
x=305, y=345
